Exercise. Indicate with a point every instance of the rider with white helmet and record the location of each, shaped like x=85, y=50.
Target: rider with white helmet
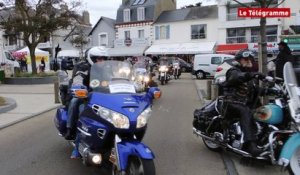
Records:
x=80, y=80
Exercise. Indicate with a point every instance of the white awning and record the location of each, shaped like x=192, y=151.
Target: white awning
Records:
x=182, y=48
x=126, y=51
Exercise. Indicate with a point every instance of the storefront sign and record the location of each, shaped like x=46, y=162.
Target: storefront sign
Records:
x=271, y=46
x=133, y=42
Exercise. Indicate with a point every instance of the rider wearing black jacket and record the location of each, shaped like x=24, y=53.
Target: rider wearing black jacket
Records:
x=240, y=93
x=80, y=80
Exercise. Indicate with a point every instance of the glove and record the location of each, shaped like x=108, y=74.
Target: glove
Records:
x=77, y=87
x=258, y=75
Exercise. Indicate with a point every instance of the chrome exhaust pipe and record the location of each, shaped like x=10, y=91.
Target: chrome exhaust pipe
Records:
x=199, y=133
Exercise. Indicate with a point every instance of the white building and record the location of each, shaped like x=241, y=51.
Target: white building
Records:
x=187, y=31
x=134, y=25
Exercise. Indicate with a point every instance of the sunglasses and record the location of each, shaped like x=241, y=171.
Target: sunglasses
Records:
x=247, y=54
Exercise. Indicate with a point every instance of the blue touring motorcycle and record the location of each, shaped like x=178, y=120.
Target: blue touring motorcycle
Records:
x=278, y=125
x=113, y=120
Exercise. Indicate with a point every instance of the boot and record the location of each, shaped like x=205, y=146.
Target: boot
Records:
x=252, y=148
x=69, y=134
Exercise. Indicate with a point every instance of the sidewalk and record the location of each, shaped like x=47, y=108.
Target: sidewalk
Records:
x=255, y=167
x=31, y=100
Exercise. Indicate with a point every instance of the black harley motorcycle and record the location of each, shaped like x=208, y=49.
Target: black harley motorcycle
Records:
x=278, y=124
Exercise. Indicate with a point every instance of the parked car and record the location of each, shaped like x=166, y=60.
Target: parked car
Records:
x=206, y=65
x=65, y=59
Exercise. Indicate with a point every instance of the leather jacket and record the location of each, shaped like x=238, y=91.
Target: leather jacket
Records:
x=240, y=87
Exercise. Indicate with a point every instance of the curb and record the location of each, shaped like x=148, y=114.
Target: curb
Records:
x=10, y=105
x=27, y=117
x=228, y=162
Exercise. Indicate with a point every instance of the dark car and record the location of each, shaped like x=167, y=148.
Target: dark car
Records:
x=65, y=63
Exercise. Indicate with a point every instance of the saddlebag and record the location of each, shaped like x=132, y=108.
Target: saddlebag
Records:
x=203, y=116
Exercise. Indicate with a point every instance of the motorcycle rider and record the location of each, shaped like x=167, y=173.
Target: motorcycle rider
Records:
x=80, y=80
x=240, y=94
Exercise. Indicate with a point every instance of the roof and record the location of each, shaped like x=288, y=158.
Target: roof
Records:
x=79, y=29
x=149, y=6
x=109, y=21
x=191, y=13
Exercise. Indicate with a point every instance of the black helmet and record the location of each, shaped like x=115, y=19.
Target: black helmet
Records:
x=244, y=53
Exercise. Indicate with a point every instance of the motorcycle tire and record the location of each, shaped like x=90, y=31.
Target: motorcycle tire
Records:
x=211, y=145
x=137, y=166
x=294, y=166
x=162, y=82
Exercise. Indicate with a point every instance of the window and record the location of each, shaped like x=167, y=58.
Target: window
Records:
x=127, y=34
x=198, y=31
x=126, y=15
x=139, y=2
x=232, y=14
x=237, y=35
x=228, y=58
x=141, y=33
x=216, y=60
x=141, y=14
x=162, y=32
x=103, y=39
x=11, y=40
x=271, y=32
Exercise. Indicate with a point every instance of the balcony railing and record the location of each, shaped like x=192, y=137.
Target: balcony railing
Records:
x=10, y=48
x=236, y=39
x=233, y=17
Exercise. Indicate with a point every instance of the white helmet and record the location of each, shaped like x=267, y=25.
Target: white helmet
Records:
x=96, y=52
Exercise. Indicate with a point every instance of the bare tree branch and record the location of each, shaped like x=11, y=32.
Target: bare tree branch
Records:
x=282, y=1
x=244, y=5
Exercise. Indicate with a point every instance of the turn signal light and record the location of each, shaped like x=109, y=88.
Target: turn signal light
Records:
x=157, y=94
x=81, y=93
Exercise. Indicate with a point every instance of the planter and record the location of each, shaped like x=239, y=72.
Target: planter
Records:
x=30, y=80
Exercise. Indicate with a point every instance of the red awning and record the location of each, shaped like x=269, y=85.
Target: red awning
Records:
x=231, y=48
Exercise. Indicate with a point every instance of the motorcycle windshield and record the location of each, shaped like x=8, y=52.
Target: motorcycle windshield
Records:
x=292, y=86
x=111, y=77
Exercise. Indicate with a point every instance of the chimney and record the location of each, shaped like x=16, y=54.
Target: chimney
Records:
x=86, y=17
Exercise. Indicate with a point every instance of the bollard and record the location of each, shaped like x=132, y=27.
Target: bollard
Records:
x=56, y=91
x=208, y=89
x=214, y=91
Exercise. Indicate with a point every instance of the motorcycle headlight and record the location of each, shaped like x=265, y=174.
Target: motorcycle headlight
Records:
x=143, y=118
x=118, y=120
x=147, y=79
x=163, y=69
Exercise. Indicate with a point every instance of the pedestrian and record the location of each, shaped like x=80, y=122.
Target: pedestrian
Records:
x=284, y=56
x=42, y=65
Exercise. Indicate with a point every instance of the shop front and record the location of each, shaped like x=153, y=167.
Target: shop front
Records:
x=185, y=51
x=231, y=49
x=128, y=48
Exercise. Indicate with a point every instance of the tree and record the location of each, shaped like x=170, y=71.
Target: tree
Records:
x=35, y=20
x=262, y=43
x=79, y=39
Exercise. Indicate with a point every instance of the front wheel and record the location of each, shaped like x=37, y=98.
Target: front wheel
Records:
x=294, y=166
x=211, y=145
x=200, y=75
x=138, y=166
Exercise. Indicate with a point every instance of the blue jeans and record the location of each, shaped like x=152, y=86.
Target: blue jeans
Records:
x=75, y=108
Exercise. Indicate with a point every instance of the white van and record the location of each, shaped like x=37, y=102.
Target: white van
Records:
x=205, y=65
x=8, y=63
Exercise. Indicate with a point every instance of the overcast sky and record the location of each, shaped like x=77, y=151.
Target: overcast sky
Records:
x=108, y=8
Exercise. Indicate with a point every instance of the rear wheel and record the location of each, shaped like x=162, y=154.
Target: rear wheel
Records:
x=211, y=145
x=183, y=69
x=294, y=166
x=200, y=75
x=162, y=82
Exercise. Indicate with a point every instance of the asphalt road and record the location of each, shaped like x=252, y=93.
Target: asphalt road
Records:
x=33, y=146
